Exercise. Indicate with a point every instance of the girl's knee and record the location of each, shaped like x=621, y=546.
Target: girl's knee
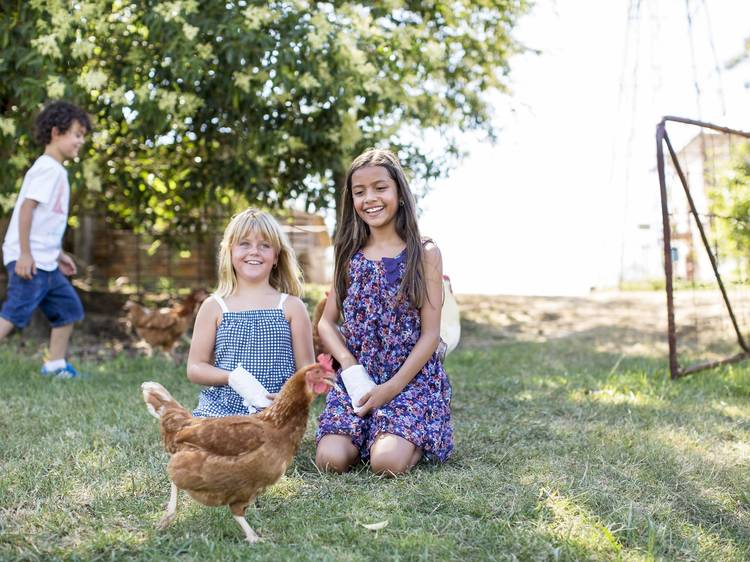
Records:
x=392, y=455
x=335, y=456
x=327, y=462
x=390, y=464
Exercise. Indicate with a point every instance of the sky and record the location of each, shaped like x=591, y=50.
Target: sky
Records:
x=552, y=208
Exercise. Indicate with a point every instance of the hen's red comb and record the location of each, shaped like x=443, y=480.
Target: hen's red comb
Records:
x=326, y=361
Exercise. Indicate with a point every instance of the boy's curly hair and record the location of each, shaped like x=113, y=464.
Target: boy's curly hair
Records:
x=60, y=114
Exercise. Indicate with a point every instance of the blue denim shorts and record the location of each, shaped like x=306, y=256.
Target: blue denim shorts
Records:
x=49, y=290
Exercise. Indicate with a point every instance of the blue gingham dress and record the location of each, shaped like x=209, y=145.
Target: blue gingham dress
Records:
x=261, y=341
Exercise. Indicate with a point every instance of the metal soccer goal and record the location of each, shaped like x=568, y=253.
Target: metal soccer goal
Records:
x=708, y=295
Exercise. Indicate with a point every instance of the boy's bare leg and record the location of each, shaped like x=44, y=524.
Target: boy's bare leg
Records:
x=58, y=341
x=5, y=328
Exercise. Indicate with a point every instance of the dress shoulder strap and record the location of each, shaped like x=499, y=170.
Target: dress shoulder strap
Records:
x=221, y=302
x=281, y=301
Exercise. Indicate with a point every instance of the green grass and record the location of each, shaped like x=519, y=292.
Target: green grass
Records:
x=563, y=452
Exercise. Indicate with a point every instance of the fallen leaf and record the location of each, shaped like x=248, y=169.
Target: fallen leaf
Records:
x=375, y=526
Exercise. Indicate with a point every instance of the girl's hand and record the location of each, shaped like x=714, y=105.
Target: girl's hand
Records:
x=272, y=396
x=379, y=395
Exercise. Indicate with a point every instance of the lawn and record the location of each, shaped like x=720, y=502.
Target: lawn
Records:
x=567, y=448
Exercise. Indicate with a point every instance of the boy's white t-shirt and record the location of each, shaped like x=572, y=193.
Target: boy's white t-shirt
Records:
x=45, y=182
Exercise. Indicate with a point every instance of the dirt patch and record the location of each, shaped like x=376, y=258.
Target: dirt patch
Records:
x=629, y=323
x=491, y=319
x=626, y=323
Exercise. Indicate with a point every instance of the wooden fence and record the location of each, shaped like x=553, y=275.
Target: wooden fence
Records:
x=108, y=256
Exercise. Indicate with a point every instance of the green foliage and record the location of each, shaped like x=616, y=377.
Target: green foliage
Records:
x=201, y=105
x=731, y=199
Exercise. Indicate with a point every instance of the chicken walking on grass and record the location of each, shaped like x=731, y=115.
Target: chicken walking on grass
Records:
x=229, y=460
x=164, y=327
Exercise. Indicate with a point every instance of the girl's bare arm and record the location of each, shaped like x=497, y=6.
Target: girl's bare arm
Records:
x=330, y=334
x=299, y=322
x=200, y=369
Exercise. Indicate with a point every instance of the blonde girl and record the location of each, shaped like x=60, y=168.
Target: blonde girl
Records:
x=388, y=288
x=255, y=319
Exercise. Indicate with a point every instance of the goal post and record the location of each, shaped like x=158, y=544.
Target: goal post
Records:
x=741, y=351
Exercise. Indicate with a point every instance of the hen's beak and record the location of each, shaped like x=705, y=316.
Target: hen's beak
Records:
x=330, y=380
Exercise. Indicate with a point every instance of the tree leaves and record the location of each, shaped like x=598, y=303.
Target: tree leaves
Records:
x=241, y=102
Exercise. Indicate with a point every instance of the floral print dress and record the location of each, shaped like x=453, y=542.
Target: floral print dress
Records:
x=381, y=328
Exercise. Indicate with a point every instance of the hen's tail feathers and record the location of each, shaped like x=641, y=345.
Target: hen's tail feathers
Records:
x=170, y=413
x=157, y=399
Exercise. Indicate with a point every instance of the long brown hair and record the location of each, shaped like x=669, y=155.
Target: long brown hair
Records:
x=285, y=276
x=352, y=233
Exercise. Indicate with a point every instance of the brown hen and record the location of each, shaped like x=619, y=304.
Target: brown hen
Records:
x=162, y=328
x=229, y=460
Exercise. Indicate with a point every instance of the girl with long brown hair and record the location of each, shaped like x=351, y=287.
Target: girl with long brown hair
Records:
x=393, y=407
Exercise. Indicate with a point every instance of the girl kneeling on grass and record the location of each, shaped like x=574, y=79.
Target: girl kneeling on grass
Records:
x=255, y=319
x=388, y=286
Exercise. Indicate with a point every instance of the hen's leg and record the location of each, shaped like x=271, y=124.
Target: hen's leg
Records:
x=250, y=535
x=238, y=512
x=169, y=516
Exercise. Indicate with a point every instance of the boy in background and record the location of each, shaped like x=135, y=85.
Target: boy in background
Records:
x=32, y=251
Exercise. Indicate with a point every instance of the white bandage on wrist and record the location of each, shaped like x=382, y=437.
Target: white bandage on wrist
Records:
x=357, y=383
x=250, y=388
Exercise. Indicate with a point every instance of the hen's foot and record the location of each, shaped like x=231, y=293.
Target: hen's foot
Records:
x=250, y=535
x=165, y=521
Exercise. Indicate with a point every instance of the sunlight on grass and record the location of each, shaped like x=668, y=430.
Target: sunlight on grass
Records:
x=575, y=524
x=731, y=410
x=565, y=450
x=614, y=396
x=652, y=350
x=286, y=488
x=738, y=452
x=708, y=449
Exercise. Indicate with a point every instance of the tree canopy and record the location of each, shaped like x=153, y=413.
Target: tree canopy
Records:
x=199, y=104
x=730, y=203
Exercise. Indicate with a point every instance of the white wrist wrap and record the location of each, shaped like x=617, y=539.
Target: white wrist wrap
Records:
x=250, y=388
x=357, y=383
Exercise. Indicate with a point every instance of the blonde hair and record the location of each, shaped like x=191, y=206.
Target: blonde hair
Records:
x=286, y=276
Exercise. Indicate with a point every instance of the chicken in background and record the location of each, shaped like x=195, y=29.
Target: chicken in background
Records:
x=162, y=328
x=229, y=460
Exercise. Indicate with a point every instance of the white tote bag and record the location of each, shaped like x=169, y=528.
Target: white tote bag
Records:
x=450, y=320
